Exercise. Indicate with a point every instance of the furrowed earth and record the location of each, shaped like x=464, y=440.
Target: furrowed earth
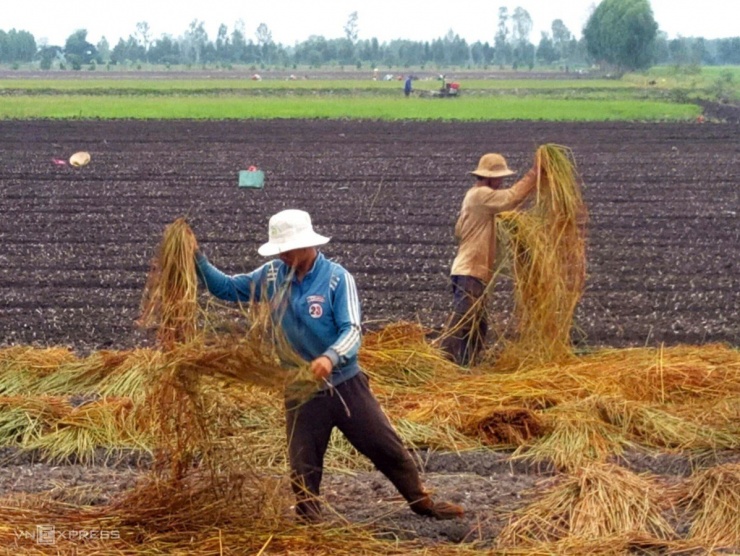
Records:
x=663, y=252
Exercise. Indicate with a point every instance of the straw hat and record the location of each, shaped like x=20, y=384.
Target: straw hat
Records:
x=288, y=230
x=492, y=165
x=80, y=159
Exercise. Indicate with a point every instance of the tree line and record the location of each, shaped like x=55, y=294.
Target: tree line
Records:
x=620, y=35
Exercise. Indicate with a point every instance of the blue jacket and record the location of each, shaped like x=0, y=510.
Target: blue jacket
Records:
x=320, y=315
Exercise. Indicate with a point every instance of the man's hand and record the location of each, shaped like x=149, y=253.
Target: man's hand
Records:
x=321, y=367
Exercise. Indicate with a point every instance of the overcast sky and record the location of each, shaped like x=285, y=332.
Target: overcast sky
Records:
x=292, y=21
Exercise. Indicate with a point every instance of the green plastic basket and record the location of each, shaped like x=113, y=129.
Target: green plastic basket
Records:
x=252, y=178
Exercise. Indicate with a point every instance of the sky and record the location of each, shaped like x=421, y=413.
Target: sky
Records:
x=292, y=21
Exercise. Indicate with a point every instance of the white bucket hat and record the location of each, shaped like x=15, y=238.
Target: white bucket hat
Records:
x=290, y=229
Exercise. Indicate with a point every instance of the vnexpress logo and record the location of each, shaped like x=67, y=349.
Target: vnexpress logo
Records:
x=46, y=534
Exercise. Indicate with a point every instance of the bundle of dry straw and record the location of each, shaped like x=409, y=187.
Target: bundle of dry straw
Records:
x=596, y=502
x=170, y=301
x=713, y=497
x=545, y=250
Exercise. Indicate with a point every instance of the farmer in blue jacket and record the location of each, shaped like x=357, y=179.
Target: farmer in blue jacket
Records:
x=315, y=302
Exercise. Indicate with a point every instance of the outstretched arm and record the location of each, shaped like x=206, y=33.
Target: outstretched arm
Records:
x=239, y=287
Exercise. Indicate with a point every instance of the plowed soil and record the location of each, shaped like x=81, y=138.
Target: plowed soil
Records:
x=75, y=247
x=663, y=242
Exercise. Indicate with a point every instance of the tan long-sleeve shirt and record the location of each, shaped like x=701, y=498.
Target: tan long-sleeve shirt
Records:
x=476, y=228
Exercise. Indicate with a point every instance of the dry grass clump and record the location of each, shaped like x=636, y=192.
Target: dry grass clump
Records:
x=170, y=300
x=199, y=524
x=82, y=375
x=25, y=419
x=598, y=501
x=511, y=426
x=546, y=253
x=681, y=374
x=107, y=424
x=399, y=355
x=21, y=367
x=657, y=427
x=576, y=436
x=132, y=376
x=712, y=500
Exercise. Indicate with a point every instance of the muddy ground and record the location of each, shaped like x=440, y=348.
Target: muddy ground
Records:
x=75, y=246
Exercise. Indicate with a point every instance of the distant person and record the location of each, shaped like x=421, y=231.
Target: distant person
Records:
x=315, y=302
x=407, y=86
x=473, y=267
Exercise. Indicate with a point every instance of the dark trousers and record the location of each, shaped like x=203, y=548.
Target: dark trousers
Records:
x=467, y=328
x=362, y=421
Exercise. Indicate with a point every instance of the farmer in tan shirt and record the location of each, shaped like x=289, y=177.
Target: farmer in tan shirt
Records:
x=473, y=266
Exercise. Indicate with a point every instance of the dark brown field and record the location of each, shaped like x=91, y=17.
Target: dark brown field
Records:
x=663, y=250
x=664, y=240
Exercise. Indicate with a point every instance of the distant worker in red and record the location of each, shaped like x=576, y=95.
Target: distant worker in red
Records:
x=473, y=267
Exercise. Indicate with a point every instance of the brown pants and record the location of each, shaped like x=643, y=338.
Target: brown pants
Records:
x=309, y=426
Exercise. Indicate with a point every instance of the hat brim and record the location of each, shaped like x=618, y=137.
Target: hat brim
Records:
x=307, y=240
x=484, y=174
x=79, y=159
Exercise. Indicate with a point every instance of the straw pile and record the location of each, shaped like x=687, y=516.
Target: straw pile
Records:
x=712, y=500
x=545, y=251
x=170, y=300
x=398, y=355
x=600, y=501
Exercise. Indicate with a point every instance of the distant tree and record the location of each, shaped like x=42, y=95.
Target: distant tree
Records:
x=405, y=53
x=700, y=53
x=457, y=50
x=481, y=53
x=661, y=53
x=222, y=43
x=77, y=50
x=143, y=36
x=621, y=34
x=368, y=50
x=49, y=54
x=17, y=46
x=208, y=54
x=238, y=46
x=164, y=50
x=501, y=44
x=265, y=42
x=351, y=29
x=679, y=51
x=128, y=50
x=103, y=51
x=521, y=25
x=546, y=52
x=521, y=29
x=728, y=51
x=561, y=39
x=314, y=51
x=193, y=42
x=438, y=52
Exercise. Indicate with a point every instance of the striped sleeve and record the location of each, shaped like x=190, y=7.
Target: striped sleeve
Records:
x=347, y=318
